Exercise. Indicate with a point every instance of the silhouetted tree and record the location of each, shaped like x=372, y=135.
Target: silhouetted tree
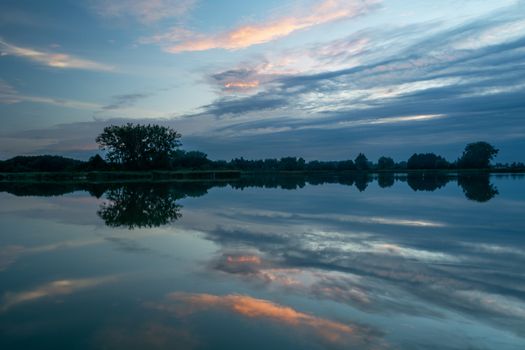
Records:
x=477, y=156
x=96, y=163
x=385, y=163
x=427, y=161
x=139, y=146
x=401, y=165
x=292, y=163
x=361, y=162
x=190, y=160
x=45, y=163
x=316, y=165
x=346, y=165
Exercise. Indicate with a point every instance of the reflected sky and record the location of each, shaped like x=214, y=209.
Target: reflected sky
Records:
x=321, y=266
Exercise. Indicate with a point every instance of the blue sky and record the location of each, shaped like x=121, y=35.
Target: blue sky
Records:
x=318, y=79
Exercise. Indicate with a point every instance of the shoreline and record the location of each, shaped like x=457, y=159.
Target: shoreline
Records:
x=218, y=175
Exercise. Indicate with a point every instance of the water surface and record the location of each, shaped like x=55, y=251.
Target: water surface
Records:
x=366, y=262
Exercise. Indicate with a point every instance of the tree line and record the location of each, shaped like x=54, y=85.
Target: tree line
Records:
x=153, y=147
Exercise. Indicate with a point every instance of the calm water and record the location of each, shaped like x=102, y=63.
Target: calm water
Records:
x=268, y=263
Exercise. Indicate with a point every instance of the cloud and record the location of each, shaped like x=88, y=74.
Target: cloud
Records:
x=8, y=94
x=361, y=48
x=144, y=11
x=126, y=100
x=495, y=249
x=18, y=17
x=497, y=34
x=121, y=104
x=181, y=40
x=374, y=66
x=413, y=76
x=261, y=72
x=59, y=102
x=54, y=60
x=258, y=103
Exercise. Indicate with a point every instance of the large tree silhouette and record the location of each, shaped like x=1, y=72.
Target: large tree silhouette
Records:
x=138, y=146
x=477, y=155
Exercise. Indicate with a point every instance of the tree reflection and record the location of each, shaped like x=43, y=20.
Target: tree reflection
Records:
x=385, y=180
x=140, y=205
x=136, y=205
x=477, y=187
x=361, y=181
x=427, y=181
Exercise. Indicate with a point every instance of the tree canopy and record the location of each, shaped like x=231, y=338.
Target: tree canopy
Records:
x=477, y=155
x=361, y=162
x=137, y=146
x=427, y=161
x=385, y=163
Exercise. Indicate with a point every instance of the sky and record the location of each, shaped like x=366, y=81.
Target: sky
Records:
x=322, y=79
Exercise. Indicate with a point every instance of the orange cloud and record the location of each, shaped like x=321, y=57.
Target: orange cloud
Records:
x=261, y=309
x=180, y=40
x=242, y=84
x=54, y=60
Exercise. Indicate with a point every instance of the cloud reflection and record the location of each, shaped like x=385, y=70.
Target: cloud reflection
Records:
x=9, y=254
x=51, y=289
x=185, y=304
x=371, y=256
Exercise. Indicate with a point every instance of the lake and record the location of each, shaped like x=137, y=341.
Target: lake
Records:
x=418, y=261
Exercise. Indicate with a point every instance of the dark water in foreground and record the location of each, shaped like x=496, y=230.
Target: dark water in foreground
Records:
x=424, y=262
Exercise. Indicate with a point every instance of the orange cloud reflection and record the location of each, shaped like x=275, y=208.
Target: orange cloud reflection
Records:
x=250, y=259
x=52, y=289
x=262, y=309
